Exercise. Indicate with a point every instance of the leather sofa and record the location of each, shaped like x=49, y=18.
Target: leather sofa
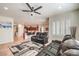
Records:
x=69, y=47
x=40, y=37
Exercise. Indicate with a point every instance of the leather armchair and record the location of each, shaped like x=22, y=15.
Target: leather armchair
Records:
x=40, y=38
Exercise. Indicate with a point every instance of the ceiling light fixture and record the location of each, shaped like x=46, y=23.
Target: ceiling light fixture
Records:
x=5, y=8
x=31, y=14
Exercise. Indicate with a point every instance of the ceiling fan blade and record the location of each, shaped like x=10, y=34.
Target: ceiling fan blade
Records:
x=37, y=8
x=29, y=6
x=26, y=10
x=38, y=13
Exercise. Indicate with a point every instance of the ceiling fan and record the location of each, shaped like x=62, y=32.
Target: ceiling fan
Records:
x=32, y=9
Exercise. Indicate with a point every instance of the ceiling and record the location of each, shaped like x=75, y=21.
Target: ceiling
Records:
x=48, y=9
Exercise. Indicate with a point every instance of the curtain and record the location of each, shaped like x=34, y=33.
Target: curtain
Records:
x=73, y=31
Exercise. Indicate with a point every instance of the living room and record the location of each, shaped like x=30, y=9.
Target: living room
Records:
x=28, y=29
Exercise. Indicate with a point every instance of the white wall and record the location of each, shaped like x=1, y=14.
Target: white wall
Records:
x=72, y=16
x=20, y=30
x=77, y=32
x=6, y=34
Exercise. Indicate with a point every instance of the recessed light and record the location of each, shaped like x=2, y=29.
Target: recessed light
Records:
x=60, y=7
x=5, y=8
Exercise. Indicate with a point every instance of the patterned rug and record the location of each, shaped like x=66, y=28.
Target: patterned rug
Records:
x=50, y=50
x=24, y=48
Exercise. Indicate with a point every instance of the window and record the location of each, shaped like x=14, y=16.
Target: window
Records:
x=68, y=27
x=61, y=27
x=58, y=28
x=54, y=33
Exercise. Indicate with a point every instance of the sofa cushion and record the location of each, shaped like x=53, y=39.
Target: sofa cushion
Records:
x=70, y=44
x=71, y=52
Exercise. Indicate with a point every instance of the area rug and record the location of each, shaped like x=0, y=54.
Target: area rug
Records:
x=50, y=50
x=24, y=47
